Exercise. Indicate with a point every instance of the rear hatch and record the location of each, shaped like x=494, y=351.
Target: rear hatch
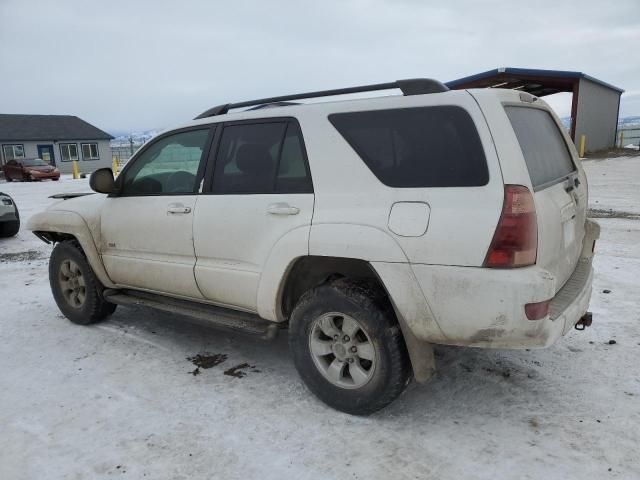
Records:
x=559, y=187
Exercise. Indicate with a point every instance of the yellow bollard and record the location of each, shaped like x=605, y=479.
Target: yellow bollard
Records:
x=76, y=173
x=621, y=139
x=583, y=139
x=114, y=166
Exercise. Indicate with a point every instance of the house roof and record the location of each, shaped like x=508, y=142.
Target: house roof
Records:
x=19, y=128
x=536, y=81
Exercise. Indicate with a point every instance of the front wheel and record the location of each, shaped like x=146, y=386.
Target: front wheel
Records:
x=348, y=348
x=75, y=288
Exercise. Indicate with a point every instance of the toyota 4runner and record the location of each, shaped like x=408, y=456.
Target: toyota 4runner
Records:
x=371, y=229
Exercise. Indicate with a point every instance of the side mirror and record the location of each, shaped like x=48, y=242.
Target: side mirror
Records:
x=101, y=181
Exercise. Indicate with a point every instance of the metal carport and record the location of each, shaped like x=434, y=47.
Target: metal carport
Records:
x=594, y=107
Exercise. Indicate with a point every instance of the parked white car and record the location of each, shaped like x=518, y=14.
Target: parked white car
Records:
x=9, y=216
x=372, y=229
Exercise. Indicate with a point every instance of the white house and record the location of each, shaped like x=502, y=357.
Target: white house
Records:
x=57, y=139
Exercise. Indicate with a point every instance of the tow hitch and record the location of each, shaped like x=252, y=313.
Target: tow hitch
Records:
x=584, y=322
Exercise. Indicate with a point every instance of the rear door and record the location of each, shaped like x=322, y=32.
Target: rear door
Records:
x=258, y=193
x=559, y=187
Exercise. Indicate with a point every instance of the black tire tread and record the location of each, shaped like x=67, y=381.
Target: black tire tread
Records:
x=9, y=229
x=370, y=298
x=96, y=307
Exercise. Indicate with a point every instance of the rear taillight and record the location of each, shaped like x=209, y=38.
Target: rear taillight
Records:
x=515, y=241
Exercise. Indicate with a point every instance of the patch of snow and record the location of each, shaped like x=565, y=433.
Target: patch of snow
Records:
x=120, y=398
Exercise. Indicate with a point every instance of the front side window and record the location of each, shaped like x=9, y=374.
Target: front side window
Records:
x=417, y=147
x=69, y=151
x=12, y=152
x=90, y=151
x=543, y=147
x=168, y=166
x=261, y=158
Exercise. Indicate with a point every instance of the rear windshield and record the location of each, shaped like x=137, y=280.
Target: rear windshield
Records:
x=542, y=144
x=417, y=147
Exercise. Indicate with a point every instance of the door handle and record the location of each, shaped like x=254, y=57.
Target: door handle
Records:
x=282, y=209
x=178, y=209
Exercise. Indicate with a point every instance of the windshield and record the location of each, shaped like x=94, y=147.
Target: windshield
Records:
x=34, y=162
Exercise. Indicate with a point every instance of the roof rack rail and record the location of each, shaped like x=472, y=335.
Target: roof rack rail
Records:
x=410, y=86
x=274, y=104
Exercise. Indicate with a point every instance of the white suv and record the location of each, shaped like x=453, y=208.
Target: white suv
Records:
x=370, y=228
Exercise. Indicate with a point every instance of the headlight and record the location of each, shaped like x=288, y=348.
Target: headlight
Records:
x=7, y=201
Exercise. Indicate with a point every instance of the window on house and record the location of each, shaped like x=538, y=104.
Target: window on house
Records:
x=90, y=151
x=69, y=152
x=12, y=152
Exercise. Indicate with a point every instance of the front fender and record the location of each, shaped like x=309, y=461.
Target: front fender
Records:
x=71, y=223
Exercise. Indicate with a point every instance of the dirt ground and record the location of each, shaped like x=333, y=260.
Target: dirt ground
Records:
x=148, y=395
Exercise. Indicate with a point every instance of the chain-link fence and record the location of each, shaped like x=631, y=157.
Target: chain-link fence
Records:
x=121, y=153
x=628, y=136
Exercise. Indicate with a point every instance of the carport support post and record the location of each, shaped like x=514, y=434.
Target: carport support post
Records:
x=74, y=168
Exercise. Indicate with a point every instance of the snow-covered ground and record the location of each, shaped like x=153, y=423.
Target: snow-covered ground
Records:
x=118, y=399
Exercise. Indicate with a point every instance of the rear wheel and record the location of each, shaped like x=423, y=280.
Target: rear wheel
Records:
x=348, y=348
x=75, y=288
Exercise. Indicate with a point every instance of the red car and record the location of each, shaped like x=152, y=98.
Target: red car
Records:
x=29, y=169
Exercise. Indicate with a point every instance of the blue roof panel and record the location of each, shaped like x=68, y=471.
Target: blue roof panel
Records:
x=532, y=72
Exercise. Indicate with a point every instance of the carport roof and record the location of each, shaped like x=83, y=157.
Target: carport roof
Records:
x=21, y=128
x=535, y=81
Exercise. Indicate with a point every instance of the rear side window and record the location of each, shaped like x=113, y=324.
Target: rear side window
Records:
x=417, y=147
x=261, y=158
x=542, y=145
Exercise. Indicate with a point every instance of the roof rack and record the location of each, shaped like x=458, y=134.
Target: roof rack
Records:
x=410, y=86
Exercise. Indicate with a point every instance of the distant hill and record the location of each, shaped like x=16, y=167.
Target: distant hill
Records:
x=122, y=138
x=633, y=121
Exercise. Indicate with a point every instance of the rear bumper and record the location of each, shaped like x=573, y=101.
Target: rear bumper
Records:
x=481, y=307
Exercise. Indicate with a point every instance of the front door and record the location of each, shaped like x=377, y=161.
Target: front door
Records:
x=147, y=237
x=260, y=198
x=45, y=152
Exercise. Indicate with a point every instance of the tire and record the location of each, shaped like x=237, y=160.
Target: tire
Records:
x=8, y=179
x=384, y=361
x=68, y=271
x=9, y=229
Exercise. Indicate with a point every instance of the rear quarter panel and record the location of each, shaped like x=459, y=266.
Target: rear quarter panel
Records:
x=348, y=194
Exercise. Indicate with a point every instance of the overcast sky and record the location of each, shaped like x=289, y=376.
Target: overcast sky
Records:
x=143, y=64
